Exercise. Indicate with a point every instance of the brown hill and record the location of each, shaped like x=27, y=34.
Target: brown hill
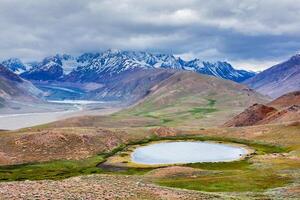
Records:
x=289, y=114
x=283, y=109
x=287, y=100
x=251, y=116
x=43, y=145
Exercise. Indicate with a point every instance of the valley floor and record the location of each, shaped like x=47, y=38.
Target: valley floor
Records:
x=53, y=111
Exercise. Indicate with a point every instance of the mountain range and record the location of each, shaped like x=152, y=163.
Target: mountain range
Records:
x=129, y=75
x=97, y=67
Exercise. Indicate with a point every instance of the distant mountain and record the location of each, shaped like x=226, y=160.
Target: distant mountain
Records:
x=49, y=69
x=130, y=86
x=15, y=65
x=219, y=69
x=279, y=79
x=96, y=67
x=14, y=88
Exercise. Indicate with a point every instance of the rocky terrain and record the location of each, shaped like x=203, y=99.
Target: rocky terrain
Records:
x=251, y=115
x=98, y=187
x=285, y=109
x=286, y=100
x=67, y=143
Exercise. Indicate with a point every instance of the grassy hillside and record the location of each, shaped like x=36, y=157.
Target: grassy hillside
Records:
x=190, y=100
x=186, y=100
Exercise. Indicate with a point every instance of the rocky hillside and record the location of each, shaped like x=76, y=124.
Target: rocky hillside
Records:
x=251, y=115
x=283, y=109
x=279, y=79
x=286, y=100
x=54, y=144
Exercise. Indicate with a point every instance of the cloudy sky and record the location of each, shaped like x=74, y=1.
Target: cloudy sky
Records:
x=252, y=34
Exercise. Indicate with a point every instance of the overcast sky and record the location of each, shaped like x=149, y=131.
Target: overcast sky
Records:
x=252, y=34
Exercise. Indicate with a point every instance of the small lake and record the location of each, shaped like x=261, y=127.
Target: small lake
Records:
x=186, y=152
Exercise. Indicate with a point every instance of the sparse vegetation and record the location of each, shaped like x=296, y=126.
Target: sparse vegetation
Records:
x=203, y=111
x=67, y=168
x=230, y=181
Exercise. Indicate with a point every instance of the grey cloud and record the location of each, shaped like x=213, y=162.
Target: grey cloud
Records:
x=233, y=30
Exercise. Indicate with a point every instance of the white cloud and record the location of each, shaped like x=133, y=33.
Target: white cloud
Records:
x=255, y=65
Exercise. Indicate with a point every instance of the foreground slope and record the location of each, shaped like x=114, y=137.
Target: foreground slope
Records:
x=279, y=79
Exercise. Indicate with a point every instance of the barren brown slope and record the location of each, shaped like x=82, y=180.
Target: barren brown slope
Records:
x=289, y=114
x=53, y=144
x=251, y=116
x=283, y=109
x=286, y=100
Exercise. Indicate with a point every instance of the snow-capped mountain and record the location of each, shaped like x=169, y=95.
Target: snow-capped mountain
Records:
x=54, y=67
x=49, y=69
x=219, y=69
x=15, y=65
x=113, y=62
x=97, y=67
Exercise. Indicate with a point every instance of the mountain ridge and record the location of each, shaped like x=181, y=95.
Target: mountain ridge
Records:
x=16, y=88
x=86, y=67
x=279, y=79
